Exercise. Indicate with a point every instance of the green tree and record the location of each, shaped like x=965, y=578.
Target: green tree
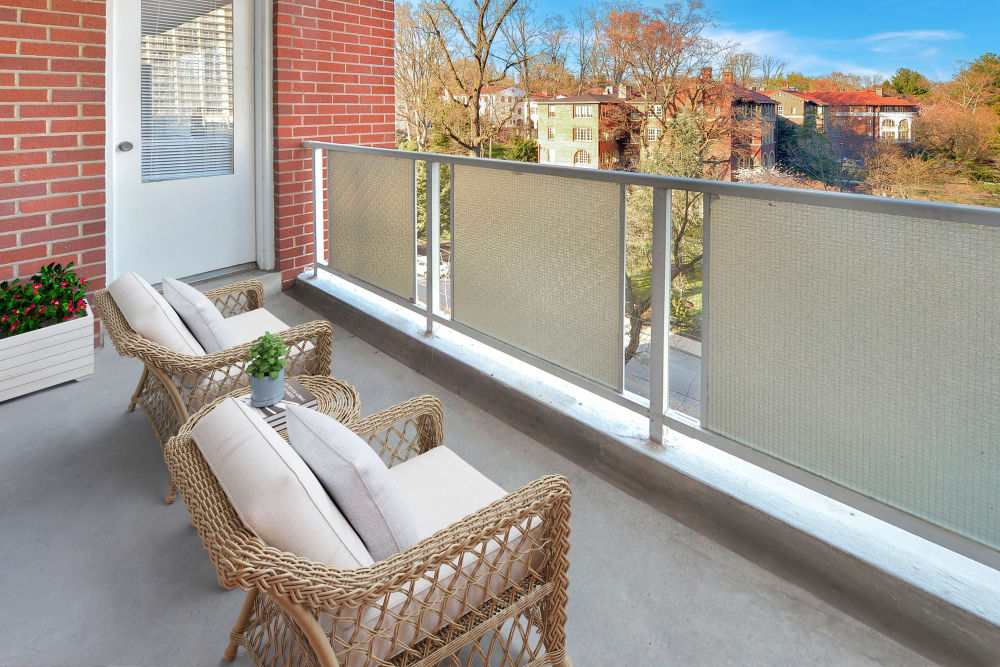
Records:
x=798, y=80
x=522, y=149
x=909, y=82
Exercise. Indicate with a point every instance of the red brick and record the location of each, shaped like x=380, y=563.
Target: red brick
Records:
x=88, y=243
x=78, y=215
x=49, y=141
x=82, y=155
x=47, y=80
x=49, y=173
x=77, y=36
x=23, y=95
x=32, y=267
x=50, y=18
x=49, y=110
x=49, y=204
x=21, y=191
x=79, y=185
x=21, y=254
x=47, y=49
x=79, y=7
x=49, y=234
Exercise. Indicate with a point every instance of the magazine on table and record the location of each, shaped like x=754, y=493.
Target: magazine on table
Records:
x=295, y=394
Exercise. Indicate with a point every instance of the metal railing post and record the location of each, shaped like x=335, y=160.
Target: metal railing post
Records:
x=318, y=226
x=659, y=385
x=433, y=209
x=706, y=226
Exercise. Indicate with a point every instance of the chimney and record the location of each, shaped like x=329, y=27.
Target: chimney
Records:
x=727, y=77
x=706, y=73
x=623, y=92
x=878, y=90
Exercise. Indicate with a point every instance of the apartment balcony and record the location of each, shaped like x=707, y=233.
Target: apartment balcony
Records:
x=810, y=481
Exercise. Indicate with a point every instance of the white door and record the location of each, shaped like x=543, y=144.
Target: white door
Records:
x=183, y=165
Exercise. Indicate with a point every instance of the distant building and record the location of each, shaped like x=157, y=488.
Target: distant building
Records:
x=607, y=129
x=850, y=118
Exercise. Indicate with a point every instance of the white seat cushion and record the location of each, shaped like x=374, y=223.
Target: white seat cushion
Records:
x=443, y=489
x=251, y=325
x=199, y=314
x=357, y=480
x=272, y=489
x=149, y=314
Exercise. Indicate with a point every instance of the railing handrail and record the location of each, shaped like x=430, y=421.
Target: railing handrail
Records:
x=976, y=215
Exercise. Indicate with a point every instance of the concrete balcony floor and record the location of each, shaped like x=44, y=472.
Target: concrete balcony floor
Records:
x=98, y=570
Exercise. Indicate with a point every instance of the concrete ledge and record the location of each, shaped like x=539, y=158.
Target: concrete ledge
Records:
x=935, y=601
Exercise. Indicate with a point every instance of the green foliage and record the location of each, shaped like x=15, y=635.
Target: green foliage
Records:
x=523, y=149
x=53, y=295
x=804, y=150
x=798, y=80
x=444, y=201
x=909, y=82
x=983, y=173
x=268, y=355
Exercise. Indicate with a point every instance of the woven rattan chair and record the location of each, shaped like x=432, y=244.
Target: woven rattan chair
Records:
x=300, y=612
x=175, y=385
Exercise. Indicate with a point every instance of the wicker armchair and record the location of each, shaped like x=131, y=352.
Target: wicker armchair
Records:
x=300, y=612
x=174, y=385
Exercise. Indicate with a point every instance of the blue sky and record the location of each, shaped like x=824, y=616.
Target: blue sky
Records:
x=860, y=37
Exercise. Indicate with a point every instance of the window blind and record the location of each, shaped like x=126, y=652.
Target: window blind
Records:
x=186, y=89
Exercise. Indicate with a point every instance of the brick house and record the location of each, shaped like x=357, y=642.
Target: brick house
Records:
x=850, y=118
x=105, y=163
x=607, y=130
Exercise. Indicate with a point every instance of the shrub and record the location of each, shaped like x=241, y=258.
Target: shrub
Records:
x=268, y=355
x=53, y=295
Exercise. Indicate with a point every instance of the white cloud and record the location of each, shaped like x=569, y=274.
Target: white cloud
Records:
x=915, y=36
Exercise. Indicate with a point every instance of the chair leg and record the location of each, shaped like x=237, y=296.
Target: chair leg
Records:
x=171, y=492
x=138, y=390
x=241, y=625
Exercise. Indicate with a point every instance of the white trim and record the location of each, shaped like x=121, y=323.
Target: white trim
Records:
x=263, y=119
x=263, y=137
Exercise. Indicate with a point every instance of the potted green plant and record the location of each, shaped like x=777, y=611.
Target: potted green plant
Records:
x=46, y=331
x=268, y=356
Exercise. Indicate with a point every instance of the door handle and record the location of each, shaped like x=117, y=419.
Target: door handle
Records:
x=125, y=146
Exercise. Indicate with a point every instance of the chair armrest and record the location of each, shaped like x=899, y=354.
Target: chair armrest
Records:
x=410, y=428
x=238, y=297
x=202, y=379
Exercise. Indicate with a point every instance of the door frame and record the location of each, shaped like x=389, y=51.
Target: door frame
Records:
x=263, y=136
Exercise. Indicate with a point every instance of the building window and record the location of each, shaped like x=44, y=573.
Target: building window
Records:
x=552, y=134
x=889, y=136
x=551, y=155
x=551, y=110
x=904, y=130
x=583, y=134
x=781, y=109
x=888, y=122
x=581, y=158
x=656, y=111
x=583, y=111
x=653, y=134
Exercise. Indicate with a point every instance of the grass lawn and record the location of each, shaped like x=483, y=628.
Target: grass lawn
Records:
x=692, y=294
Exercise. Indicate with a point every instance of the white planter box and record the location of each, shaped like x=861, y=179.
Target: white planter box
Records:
x=45, y=357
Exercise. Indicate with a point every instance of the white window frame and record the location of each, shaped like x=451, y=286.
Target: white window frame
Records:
x=551, y=133
x=583, y=134
x=781, y=109
x=583, y=111
x=581, y=153
x=652, y=134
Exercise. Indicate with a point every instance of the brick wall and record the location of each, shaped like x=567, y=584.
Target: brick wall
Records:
x=333, y=81
x=52, y=60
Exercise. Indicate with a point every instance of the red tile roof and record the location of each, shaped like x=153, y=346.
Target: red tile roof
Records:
x=849, y=98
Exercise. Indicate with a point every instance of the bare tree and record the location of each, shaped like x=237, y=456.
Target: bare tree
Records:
x=742, y=64
x=474, y=27
x=417, y=61
x=585, y=43
x=771, y=70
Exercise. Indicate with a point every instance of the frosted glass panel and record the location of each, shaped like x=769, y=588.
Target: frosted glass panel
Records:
x=535, y=265
x=370, y=215
x=864, y=348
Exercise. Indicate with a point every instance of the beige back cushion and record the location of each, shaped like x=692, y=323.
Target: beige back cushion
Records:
x=272, y=490
x=151, y=316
